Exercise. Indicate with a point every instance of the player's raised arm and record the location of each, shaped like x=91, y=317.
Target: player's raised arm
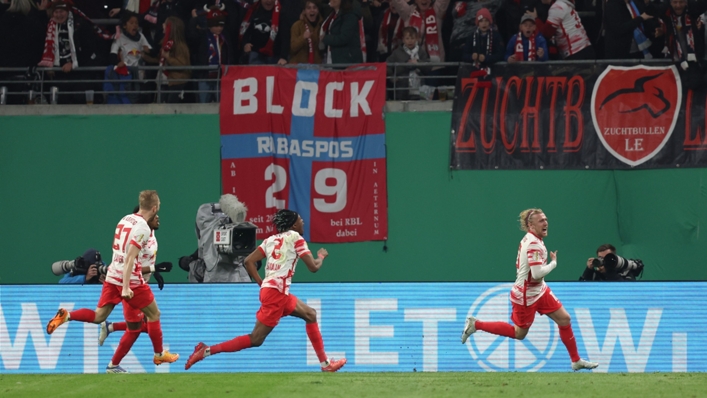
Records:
x=313, y=264
x=250, y=266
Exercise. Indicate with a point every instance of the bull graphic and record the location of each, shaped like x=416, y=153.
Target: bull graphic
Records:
x=639, y=90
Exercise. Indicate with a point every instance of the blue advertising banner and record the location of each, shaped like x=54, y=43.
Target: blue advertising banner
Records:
x=379, y=327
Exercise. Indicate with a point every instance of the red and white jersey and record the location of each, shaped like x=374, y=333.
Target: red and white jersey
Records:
x=531, y=253
x=282, y=252
x=131, y=230
x=570, y=35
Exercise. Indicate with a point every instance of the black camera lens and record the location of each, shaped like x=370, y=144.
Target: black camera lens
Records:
x=596, y=263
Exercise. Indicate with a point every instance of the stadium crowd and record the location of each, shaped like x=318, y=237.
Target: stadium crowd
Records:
x=185, y=33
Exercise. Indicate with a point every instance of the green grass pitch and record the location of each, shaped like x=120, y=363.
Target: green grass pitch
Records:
x=295, y=385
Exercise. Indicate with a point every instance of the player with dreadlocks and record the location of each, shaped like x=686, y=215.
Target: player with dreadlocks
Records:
x=282, y=251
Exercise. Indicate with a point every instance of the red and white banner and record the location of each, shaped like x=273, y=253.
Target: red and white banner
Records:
x=311, y=141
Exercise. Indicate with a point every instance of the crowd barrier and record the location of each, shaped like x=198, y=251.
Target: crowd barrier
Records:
x=37, y=86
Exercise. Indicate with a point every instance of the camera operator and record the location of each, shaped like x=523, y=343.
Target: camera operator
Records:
x=608, y=266
x=88, y=268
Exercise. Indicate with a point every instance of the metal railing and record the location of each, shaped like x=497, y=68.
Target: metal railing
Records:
x=41, y=86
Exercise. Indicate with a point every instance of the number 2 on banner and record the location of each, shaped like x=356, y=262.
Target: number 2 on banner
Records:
x=338, y=189
x=280, y=176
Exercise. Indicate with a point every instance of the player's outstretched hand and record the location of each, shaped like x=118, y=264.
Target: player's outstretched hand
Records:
x=163, y=267
x=553, y=255
x=322, y=253
x=159, y=279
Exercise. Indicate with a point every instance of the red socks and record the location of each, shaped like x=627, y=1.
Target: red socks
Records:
x=498, y=328
x=237, y=344
x=126, y=343
x=154, y=330
x=315, y=336
x=83, y=315
x=117, y=326
x=569, y=341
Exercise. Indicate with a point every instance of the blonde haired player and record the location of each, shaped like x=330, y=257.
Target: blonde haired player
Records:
x=530, y=294
x=282, y=250
x=125, y=283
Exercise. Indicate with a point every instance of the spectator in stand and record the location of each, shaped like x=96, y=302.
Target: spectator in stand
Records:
x=129, y=47
x=426, y=17
x=461, y=17
x=390, y=35
x=70, y=42
x=628, y=29
x=408, y=77
x=212, y=51
x=485, y=46
x=166, y=9
x=341, y=37
x=173, y=52
x=685, y=41
x=509, y=14
x=22, y=33
x=528, y=44
x=127, y=53
x=304, y=37
x=260, y=33
x=377, y=8
x=563, y=24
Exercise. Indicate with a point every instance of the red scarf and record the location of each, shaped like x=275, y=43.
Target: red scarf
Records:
x=674, y=41
x=383, y=33
x=166, y=46
x=520, y=56
x=274, y=24
x=362, y=38
x=489, y=44
x=431, y=41
x=310, y=46
x=51, y=44
x=326, y=26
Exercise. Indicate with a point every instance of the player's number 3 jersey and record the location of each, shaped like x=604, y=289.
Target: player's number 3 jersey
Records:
x=131, y=230
x=282, y=252
x=531, y=253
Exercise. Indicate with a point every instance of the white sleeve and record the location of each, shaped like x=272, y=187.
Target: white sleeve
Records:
x=139, y=236
x=114, y=47
x=555, y=15
x=540, y=271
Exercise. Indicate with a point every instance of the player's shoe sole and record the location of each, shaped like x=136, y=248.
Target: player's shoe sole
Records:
x=60, y=318
x=115, y=369
x=469, y=328
x=196, y=356
x=335, y=365
x=103, y=332
x=166, y=357
x=582, y=364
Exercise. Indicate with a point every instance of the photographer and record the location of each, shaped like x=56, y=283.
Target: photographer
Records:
x=608, y=266
x=88, y=268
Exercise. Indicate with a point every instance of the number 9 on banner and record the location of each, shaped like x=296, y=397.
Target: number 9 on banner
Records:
x=338, y=189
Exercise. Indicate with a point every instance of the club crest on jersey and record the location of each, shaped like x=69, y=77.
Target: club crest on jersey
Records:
x=536, y=256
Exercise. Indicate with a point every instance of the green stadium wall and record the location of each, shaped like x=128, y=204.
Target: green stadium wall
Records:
x=67, y=180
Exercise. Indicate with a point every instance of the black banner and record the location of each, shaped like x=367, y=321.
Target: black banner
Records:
x=577, y=116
